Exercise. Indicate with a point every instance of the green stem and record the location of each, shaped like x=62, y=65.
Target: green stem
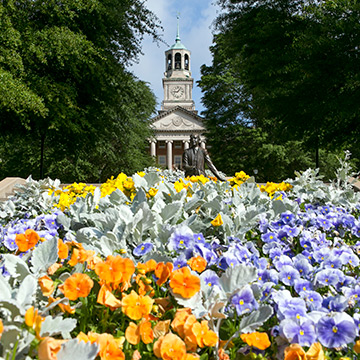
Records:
x=84, y=314
x=14, y=352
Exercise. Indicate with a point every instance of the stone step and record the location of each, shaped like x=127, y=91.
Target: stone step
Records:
x=7, y=186
x=355, y=183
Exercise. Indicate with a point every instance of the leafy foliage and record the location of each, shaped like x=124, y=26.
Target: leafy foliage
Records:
x=65, y=90
x=290, y=68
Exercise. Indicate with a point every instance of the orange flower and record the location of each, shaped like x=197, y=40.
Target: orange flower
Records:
x=191, y=357
x=33, y=320
x=161, y=328
x=48, y=348
x=204, y=336
x=356, y=347
x=143, y=331
x=83, y=337
x=259, y=340
x=77, y=285
x=149, y=266
x=190, y=338
x=294, y=352
x=132, y=334
x=92, y=261
x=223, y=355
x=197, y=263
x=162, y=272
x=184, y=283
x=315, y=352
x=80, y=256
x=109, y=346
x=53, y=268
x=109, y=349
x=27, y=241
x=136, y=355
x=157, y=346
x=144, y=288
x=136, y=306
x=170, y=347
x=107, y=298
x=63, y=250
x=179, y=320
x=1, y=328
x=46, y=285
x=146, y=332
x=64, y=307
x=115, y=269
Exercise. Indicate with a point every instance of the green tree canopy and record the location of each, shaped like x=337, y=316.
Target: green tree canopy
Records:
x=290, y=67
x=64, y=86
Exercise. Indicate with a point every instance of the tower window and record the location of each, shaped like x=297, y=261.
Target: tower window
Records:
x=186, y=62
x=177, y=61
x=169, y=62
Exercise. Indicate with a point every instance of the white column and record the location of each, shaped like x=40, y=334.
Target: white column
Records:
x=202, y=144
x=153, y=148
x=169, y=154
x=186, y=145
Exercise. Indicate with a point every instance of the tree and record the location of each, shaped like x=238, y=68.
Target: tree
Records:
x=289, y=67
x=62, y=65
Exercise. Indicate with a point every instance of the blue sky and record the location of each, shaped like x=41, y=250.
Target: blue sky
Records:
x=196, y=17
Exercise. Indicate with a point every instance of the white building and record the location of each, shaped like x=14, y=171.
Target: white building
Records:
x=177, y=118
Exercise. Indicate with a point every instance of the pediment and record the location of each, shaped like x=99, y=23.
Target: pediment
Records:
x=178, y=120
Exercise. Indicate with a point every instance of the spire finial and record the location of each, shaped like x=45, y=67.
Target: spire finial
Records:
x=178, y=31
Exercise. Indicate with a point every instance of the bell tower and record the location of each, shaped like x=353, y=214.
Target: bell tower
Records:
x=177, y=81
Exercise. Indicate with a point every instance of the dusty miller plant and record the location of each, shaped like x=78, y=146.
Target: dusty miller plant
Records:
x=344, y=173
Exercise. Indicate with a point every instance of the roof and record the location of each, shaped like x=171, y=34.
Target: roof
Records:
x=167, y=112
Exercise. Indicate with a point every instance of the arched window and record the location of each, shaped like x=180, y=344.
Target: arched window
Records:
x=177, y=61
x=186, y=62
x=169, y=62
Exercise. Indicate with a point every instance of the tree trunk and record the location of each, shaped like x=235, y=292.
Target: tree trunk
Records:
x=42, y=148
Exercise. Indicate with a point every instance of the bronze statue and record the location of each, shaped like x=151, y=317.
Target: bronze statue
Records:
x=195, y=157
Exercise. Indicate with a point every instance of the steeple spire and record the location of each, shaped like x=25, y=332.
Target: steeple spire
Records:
x=178, y=44
x=178, y=30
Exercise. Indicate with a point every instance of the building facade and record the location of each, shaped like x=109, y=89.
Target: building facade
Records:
x=177, y=118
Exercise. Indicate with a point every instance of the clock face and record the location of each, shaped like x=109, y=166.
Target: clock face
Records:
x=177, y=91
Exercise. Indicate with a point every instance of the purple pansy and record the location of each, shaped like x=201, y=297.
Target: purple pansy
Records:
x=143, y=249
x=244, y=301
x=300, y=331
x=210, y=278
x=182, y=238
x=336, y=330
x=288, y=275
x=312, y=299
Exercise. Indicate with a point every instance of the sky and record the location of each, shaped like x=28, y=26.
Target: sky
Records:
x=196, y=18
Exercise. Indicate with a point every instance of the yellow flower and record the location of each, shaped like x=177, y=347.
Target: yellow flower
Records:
x=152, y=192
x=217, y=221
x=33, y=320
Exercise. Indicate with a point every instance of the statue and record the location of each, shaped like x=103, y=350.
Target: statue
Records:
x=195, y=157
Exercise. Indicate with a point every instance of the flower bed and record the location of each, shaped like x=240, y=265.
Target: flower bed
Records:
x=157, y=266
